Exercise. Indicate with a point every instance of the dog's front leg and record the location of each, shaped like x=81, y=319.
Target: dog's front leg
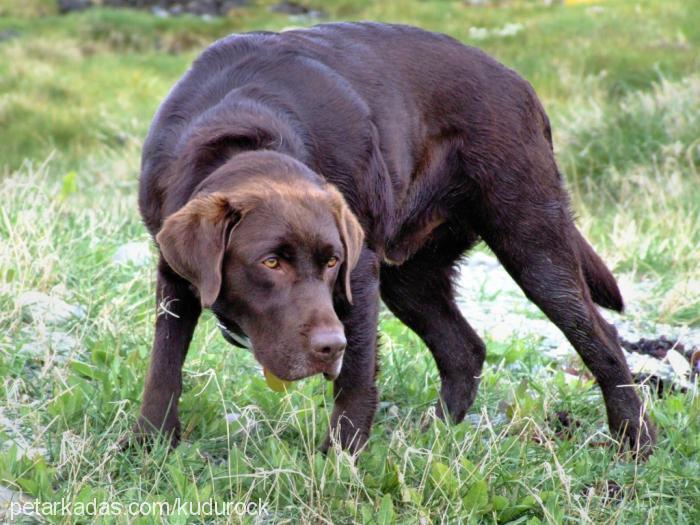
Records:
x=355, y=390
x=178, y=310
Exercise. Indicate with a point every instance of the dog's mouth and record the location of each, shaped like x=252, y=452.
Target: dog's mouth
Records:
x=237, y=337
x=333, y=371
x=330, y=372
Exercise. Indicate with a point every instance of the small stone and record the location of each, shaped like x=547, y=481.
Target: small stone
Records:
x=502, y=331
x=159, y=12
x=474, y=419
x=679, y=364
x=647, y=365
x=12, y=505
x=478, y=33
x=51, y=344
x=40, y=307
x=9, y=34
x=509, y=30
x=135, y=253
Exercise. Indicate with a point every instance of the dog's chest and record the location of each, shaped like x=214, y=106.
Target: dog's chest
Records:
x=424, y=203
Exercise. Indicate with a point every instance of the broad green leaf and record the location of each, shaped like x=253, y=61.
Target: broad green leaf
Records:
x=386, y=515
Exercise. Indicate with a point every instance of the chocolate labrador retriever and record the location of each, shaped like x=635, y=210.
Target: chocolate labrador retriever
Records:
x=293, y=179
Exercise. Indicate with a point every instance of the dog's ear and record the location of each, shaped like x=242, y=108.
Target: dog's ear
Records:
x=193, y=241
x=352, y=237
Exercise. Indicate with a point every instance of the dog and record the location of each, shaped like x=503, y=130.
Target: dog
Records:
x=292, y=180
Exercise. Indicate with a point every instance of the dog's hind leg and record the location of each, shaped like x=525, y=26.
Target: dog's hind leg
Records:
x=526, y=221
x=420, y=293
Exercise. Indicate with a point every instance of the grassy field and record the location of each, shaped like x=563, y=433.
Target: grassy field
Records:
x=621, y=82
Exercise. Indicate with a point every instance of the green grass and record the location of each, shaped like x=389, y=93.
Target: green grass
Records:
x=76, y=97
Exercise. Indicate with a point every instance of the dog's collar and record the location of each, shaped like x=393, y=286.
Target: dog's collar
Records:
x=241, y=340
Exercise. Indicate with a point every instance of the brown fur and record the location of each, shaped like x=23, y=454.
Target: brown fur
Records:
x=394, y=150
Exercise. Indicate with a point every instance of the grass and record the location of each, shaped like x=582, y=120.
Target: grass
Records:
x=77, y=94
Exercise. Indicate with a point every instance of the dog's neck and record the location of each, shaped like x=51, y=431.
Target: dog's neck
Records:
x=263, y=166
x=243, y=126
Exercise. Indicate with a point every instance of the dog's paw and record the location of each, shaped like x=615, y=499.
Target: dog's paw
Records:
x=456, y=397
x=639, y=437
x=636, y=434
x=145, y=434
x=350, y=439
x=628, y=421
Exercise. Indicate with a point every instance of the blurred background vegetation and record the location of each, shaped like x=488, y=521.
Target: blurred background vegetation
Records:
x=620, y=80
x=79, y=83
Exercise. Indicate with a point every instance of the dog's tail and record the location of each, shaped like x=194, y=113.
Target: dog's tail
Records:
x=601, y=283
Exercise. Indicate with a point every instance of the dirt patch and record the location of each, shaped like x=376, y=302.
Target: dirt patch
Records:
x=658, y=347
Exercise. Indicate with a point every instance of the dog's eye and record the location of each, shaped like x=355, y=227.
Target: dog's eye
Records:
x=332, y=262
x=272, y=262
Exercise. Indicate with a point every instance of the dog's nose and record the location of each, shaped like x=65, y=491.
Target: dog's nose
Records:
x=327, y=344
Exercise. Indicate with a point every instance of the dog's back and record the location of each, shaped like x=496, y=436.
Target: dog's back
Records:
x=350, y=91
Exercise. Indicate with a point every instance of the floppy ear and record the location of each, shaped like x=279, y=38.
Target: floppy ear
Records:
x=193, y=241
x=352, y=237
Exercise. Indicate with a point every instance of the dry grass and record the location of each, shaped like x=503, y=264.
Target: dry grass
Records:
x=73, y=111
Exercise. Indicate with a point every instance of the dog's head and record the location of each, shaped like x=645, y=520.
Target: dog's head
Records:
x=267, y=256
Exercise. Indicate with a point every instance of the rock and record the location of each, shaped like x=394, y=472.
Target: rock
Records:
x=13, y=504
x=509, y=30
x=159, y=12
x=482, y=33
x=13, y=429
x=477, y=420
x=50, y=345
x=40, y=307
x=679, y=364
x=478, y=33
x=9, y=34
x=135, y=253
